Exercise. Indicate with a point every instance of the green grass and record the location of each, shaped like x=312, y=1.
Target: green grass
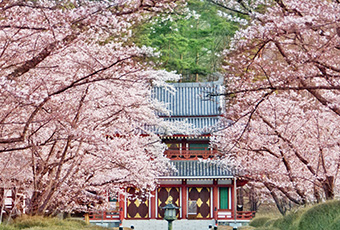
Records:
x=260, y=221
x=41, y=223
x=318, y=217
x=323, y=216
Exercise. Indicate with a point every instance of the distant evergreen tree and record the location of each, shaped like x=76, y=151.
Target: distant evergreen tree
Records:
x=191, y=43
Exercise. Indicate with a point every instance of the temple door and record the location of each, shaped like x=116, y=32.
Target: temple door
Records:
x=199, y=202
x=137, y=205
x=164, y=196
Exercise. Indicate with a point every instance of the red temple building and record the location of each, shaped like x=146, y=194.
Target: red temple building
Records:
x=204, y=191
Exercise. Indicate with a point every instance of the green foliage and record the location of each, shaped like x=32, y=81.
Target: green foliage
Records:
x=7, y=227
x=269, y=223
x=190, y=45
x=335, y=224
x=36, y=221
x=289, y=221
x=42, y=223
x=259, y=221
x=318, y=217
x=267, y=228
x=245, y=228
x=321, y=216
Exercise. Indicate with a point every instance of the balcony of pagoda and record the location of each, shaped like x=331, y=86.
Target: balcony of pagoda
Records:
x=190, y=154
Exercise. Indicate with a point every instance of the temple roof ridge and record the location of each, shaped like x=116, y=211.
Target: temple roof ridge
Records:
x=192, y=103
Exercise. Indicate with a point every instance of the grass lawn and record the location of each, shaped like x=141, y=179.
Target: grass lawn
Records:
x=323, y=216
x=41, y=223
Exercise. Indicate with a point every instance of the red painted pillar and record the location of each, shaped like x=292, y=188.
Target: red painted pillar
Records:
x=215, y=200
x=184, y=199
x=121, y=208
x=234, y=199
x=153, y=204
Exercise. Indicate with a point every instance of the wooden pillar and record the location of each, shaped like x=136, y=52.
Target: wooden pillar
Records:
x=235, y=199
x=215, y=199
x=184, y=199
x=121, y=208
x=153, y=204
x=87, y=218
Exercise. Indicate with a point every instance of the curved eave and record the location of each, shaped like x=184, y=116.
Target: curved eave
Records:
x=191, y=169
x=196, y=177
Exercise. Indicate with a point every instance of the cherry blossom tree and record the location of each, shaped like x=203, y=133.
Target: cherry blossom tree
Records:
x=242, y=7
x=283, y=87
x=76, y=101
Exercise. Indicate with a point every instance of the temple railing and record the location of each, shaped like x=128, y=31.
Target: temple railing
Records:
x=190, y=154
x=244, y=215
x=240, y=215
x=104, y=216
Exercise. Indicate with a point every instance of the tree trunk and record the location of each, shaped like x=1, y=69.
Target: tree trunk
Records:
x=280, y=203
x=317, y=194
x=33, y=204
x=253, y=199
x=328, y=187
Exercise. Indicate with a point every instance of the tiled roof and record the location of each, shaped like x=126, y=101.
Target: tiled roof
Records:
x=198, y=169
x=201, y=124
x=191, y=99
x=190, y=102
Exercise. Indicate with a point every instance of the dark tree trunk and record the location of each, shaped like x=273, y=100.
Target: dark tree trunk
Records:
x=328, y=187
x=253, y=199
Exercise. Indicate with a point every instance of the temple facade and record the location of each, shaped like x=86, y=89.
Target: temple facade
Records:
x=204, y=190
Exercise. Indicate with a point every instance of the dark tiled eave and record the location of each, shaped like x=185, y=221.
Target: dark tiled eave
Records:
x=187, y=169
x=191, y=99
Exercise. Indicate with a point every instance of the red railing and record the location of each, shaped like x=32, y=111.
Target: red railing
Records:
x=240, y=215
x=244, y=215
x=104, y=216
x=229, y=215
x=190, y=154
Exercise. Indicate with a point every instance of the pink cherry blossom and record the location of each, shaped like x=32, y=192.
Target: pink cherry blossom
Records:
x=76, y=98
x=283, y=87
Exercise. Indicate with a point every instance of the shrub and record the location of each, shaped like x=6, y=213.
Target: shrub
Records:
x=289, y=221
x=321, y=216
x=42, y=223
x=6, y=227
x=259, y=221
x=245, y=228
x=267, y=228
x=335, y=224
x=30, y=221
x=269, y=223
